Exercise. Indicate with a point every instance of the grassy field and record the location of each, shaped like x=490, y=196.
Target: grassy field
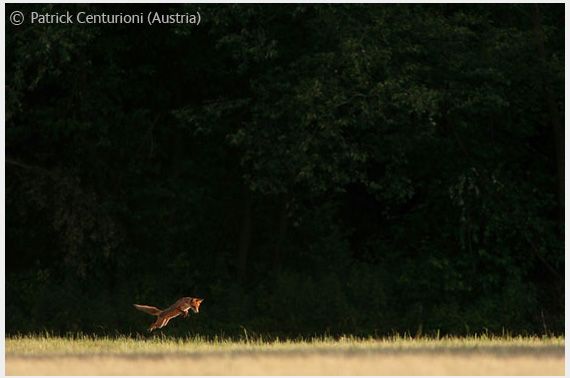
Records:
x=346, y=356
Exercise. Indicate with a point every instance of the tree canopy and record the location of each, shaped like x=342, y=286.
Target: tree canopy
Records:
x=307, y=169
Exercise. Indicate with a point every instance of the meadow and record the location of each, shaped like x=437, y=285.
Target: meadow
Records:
x=161, y=355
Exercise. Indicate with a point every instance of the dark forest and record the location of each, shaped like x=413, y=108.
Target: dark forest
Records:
x=307, y=169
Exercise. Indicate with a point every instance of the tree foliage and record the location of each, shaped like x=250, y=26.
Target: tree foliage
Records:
x=307, y=168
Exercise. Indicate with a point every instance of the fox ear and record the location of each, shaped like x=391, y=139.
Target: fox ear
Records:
x=200, y=300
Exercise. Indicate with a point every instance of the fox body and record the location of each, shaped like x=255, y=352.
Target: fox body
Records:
x=180, y=307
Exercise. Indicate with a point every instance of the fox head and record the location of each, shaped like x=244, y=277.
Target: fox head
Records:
x=195, y=304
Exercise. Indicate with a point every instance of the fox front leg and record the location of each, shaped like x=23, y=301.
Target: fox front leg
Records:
x=184, y=313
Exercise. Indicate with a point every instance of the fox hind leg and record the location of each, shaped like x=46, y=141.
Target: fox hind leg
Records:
x=155, y=325
x=164, y=322
x=159, y=323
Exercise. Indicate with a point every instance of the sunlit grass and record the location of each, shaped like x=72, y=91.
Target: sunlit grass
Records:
x=397, y=355
x=84, y=344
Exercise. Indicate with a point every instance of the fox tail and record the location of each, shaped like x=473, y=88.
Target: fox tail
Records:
x=148, y=309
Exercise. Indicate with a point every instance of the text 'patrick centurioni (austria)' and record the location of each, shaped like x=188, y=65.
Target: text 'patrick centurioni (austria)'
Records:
x=150, y=18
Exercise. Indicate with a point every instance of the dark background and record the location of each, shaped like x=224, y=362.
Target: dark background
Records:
x=307, y=169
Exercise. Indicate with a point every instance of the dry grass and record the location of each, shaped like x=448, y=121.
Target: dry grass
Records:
x=348, y=356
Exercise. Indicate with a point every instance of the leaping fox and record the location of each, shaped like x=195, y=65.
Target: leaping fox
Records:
x=181, y=307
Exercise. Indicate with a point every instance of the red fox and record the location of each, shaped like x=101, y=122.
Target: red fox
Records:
x=181, y=307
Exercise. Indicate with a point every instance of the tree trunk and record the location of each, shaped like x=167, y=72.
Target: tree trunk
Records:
x=245, y=235
x=281, y=231
x=556, y=126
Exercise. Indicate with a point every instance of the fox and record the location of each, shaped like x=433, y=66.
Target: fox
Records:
x=180, y=307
